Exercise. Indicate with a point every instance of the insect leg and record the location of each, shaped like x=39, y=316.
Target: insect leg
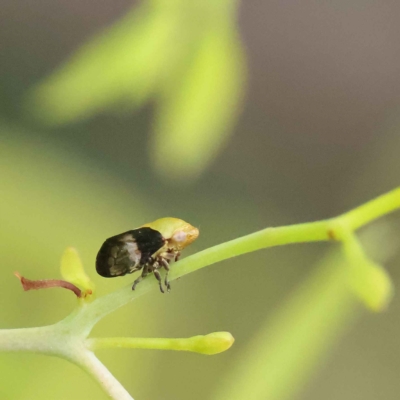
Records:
x=145, y=272
x=158, y=277
x=165, y=264
x=177, y=255
x=135, y=268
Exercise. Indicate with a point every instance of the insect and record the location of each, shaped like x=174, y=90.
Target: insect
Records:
x=148, y=248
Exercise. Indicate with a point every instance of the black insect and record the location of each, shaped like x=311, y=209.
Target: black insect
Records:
x=129, y=252
x=151, y=247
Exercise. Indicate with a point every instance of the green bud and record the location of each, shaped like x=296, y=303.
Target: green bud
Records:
x=212, y=343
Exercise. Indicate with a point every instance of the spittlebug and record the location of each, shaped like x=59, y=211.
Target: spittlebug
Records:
x=151, y=247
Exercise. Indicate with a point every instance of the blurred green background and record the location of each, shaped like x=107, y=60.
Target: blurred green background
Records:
x=234, y=117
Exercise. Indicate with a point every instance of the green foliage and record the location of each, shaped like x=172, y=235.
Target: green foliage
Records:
x=185, y=58
x=185, y=55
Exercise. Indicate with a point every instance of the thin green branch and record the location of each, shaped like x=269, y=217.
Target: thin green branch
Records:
x=138, y=343
x=23, y=339
x=96, y=369
x=213, y=343
x=374, y=209
x=300, y=233
x=308, y=232
x=61, y=341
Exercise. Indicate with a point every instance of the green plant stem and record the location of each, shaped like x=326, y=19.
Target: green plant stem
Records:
x=24, y=339
x=300, y=233
x=182, y=344
x=212, y=343
x=99, y=372
x=372, y=210
x=308, y=232
x=62, y=341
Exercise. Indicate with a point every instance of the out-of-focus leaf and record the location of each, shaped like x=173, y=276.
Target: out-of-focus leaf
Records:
x=196, y=114
x=123, y=62
x=185, y=54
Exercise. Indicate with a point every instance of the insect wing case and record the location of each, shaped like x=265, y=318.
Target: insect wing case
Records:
x=128, y=252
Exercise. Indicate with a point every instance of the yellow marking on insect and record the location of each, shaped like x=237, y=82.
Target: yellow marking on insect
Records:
x=179, y=234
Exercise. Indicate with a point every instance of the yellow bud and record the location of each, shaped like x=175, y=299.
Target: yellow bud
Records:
x=212, y=343
x=72, y=271
x=372, y=285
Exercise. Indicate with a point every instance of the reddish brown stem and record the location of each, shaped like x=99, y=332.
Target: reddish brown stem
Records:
x=27, y=284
